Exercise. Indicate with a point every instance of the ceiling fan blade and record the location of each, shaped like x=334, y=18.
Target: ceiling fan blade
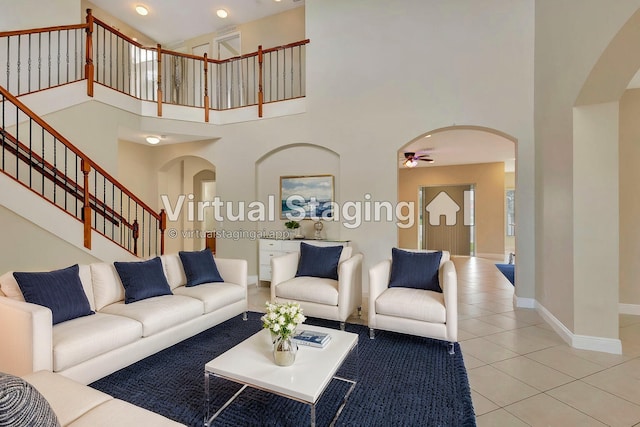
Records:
x=425, y=159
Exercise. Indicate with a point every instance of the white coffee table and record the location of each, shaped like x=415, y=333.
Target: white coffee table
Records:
x=251, y=363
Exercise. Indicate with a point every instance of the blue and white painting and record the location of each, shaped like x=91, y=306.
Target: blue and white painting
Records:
x=306, y=197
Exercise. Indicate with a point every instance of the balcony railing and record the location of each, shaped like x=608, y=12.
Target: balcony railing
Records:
x=43, y=58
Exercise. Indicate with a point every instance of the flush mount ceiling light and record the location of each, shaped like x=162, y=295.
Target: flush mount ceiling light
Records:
x=142, y=10
x=153, y=140
x=222, y=13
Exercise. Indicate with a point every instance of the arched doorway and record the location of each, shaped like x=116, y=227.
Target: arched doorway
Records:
x=462, y=194
x=180, y=189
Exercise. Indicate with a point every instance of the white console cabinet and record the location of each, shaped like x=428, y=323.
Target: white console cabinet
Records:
x=269, y=248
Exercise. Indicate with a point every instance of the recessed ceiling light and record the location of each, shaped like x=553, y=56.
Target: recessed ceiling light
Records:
x=142, y=10
x=153, y=140
x=428, y=136
x=222, y=13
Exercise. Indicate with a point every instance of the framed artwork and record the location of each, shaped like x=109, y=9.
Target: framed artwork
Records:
x=305, y=197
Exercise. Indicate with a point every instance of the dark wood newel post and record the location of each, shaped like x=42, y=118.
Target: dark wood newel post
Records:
x=206, y=88
x=260, y=77
x=163, y=227
x=88, y=66
x=86, y=208
x=159, y=80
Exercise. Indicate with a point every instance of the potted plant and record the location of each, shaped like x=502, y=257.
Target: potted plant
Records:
x=292, y=227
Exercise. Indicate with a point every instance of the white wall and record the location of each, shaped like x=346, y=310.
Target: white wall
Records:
x=381, y=73
x=18, y=15
x=568, y=47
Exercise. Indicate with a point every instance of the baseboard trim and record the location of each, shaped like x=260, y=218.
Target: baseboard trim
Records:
x=583, y=342
x=524, y=302
x=629, y=309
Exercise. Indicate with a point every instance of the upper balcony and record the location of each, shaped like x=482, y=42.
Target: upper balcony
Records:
x=160, y=82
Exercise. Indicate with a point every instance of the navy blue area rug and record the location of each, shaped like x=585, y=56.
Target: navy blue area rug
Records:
x=509, y=271
x=402, y=381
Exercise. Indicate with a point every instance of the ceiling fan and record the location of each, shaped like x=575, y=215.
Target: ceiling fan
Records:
x=411, y=158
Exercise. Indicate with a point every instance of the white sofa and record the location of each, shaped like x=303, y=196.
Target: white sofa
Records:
x=118, y=334
x=77, y=405
x=415, y=311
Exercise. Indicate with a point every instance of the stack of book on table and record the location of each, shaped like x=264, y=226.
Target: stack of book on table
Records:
x=312, y=338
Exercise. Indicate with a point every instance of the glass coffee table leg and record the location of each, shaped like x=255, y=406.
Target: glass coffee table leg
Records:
x=206, y=399
x=313, y=415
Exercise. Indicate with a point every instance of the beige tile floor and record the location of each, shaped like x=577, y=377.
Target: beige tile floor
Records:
x=521, y=373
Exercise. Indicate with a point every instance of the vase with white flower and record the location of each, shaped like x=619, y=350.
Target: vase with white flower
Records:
x=282, y=320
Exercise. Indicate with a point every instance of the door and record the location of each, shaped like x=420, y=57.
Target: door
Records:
x=447, y=213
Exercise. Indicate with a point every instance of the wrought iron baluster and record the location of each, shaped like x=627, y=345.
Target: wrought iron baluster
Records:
x=300, y=68
x=67, y=57
x=8, y=64
x=17, y=139
x=18, y=65
x=76, y=185
x=42, y=157
x=49, y=59
x=30, y=151
x=55, y=168
x=29, y=65
x=66, y=171
x=110, y=59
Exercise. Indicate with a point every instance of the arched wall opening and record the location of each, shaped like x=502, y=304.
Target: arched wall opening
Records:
x=464, y=156
x=179, y=183
x=295, y=160
x=606, y=201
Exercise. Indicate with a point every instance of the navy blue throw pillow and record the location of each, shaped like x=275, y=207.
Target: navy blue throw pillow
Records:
x=200, y=267
x=59, y=290
x=415, y=270
x=319, y=261
x=143, y=279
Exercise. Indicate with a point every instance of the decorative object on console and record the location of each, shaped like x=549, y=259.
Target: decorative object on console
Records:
x=142, y=280
x=292, y=227
x=282, y=320
x=200, y=267
x=318, y=226
x=306, y=197
x=60, y=290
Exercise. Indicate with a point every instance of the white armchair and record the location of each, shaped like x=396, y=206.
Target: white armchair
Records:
x=319, y=297
x=415, y=311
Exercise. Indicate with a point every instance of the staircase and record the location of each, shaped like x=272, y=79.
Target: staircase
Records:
x=36, y=158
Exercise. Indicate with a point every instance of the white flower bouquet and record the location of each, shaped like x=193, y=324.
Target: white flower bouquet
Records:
x=282, y=319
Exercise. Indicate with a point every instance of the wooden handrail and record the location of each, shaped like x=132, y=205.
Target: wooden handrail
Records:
x=37, y=119
x=287, y=46
x=69, y=185
x=117, y=32
x=42, y=30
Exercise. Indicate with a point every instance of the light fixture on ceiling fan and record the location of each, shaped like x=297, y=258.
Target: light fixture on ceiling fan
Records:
x=411, y=159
